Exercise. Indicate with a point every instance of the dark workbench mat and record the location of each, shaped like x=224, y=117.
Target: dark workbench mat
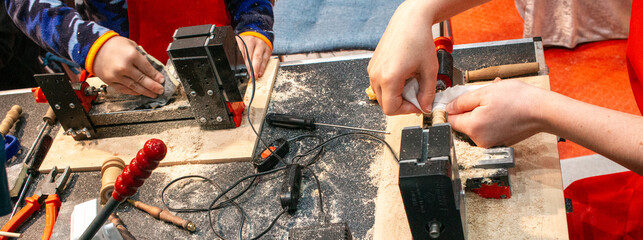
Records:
x=26, y=128
x=333, y=92
x=330, y=91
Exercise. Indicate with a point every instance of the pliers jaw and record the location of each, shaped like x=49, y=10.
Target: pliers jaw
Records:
x=50, y=185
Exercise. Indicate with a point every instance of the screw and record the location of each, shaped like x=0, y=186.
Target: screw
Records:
x=57, y=107
x=219, y=119
x=210, y=92
x=71, y=132
x=203, y=120
x=71, y=105
x=193, y=94
x=86, y=132
x=434, y=230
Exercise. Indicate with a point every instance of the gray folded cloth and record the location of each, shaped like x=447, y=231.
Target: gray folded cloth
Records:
x=168, y=85
x=114, y=101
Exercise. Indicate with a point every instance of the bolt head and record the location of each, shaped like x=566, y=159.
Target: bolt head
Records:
x=71, y=105
x=57, y=107
x=203, y=120
x=210, y=92
x=193, y=94
x=219, y=119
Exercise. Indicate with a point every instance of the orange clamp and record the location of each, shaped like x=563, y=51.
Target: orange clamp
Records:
x=443, y=43
x=38, y=95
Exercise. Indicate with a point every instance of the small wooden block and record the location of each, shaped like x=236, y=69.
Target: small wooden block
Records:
x=185, y=145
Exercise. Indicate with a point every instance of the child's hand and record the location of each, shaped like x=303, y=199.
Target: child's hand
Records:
x=259, y=54
x=121, y=66
x=405, y=50
x=503, y=113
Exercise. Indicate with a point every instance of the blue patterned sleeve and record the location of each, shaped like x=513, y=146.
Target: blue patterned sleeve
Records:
x=252, y=15
x=55, y=27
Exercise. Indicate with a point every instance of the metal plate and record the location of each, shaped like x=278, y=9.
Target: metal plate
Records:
x=65, y=103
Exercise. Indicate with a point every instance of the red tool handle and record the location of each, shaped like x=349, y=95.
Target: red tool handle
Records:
x=22, y=215
x=52, y=205
x=140, y=168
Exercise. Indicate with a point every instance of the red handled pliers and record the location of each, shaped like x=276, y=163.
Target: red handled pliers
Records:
x=47, y=192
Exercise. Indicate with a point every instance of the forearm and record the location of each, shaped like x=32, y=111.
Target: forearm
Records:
x=54, y=26
x=615, y=135
x=437, y=11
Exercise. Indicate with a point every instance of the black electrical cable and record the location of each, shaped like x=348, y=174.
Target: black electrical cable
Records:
x=321, y=198
x=272, y=224
x=252, y=96
x=299, y=157
x=349, y=134
x=241, y=211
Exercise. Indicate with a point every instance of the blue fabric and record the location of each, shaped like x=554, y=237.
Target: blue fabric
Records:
x=327, y=25
x=70, y=33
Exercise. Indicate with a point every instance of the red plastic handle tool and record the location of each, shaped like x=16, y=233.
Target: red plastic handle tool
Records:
x=22, y=215
x=52, y=205
x=140, y=168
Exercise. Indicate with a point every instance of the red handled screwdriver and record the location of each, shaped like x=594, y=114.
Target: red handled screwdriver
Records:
x=294, y=122
x=132, y=177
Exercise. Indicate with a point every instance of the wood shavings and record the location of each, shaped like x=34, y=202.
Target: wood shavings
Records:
x=467, y=155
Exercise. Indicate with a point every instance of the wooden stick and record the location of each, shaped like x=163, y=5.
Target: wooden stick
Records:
x=438, y=116
x=163, y=215
x=502, y=71
x=10, y=234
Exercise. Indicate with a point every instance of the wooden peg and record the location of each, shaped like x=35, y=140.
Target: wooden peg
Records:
x=11, y=118
x=438, y=116
x=110, y=170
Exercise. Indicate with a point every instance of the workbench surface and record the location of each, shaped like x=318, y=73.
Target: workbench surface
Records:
x=350, y=172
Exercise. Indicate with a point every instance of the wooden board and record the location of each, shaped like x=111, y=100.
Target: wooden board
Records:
x=185, y=144
x=536, y=209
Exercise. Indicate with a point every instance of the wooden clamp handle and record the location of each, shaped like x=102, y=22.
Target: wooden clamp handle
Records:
x=11, y=118
x=163, y=215
x=50, y=116
x=110, y=170
x=502, y=71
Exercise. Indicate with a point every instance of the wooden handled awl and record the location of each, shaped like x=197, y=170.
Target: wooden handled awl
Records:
x=502, y=71
x=11, y=118
x=163, y=215
x=118, y=223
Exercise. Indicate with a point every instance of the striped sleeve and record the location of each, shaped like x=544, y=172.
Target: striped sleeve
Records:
x=55, y=27
x=252, y=16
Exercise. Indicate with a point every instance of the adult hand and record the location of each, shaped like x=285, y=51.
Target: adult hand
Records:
x=405, y=50
x=259, y=54
x=121, y=66
x=503, y=113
